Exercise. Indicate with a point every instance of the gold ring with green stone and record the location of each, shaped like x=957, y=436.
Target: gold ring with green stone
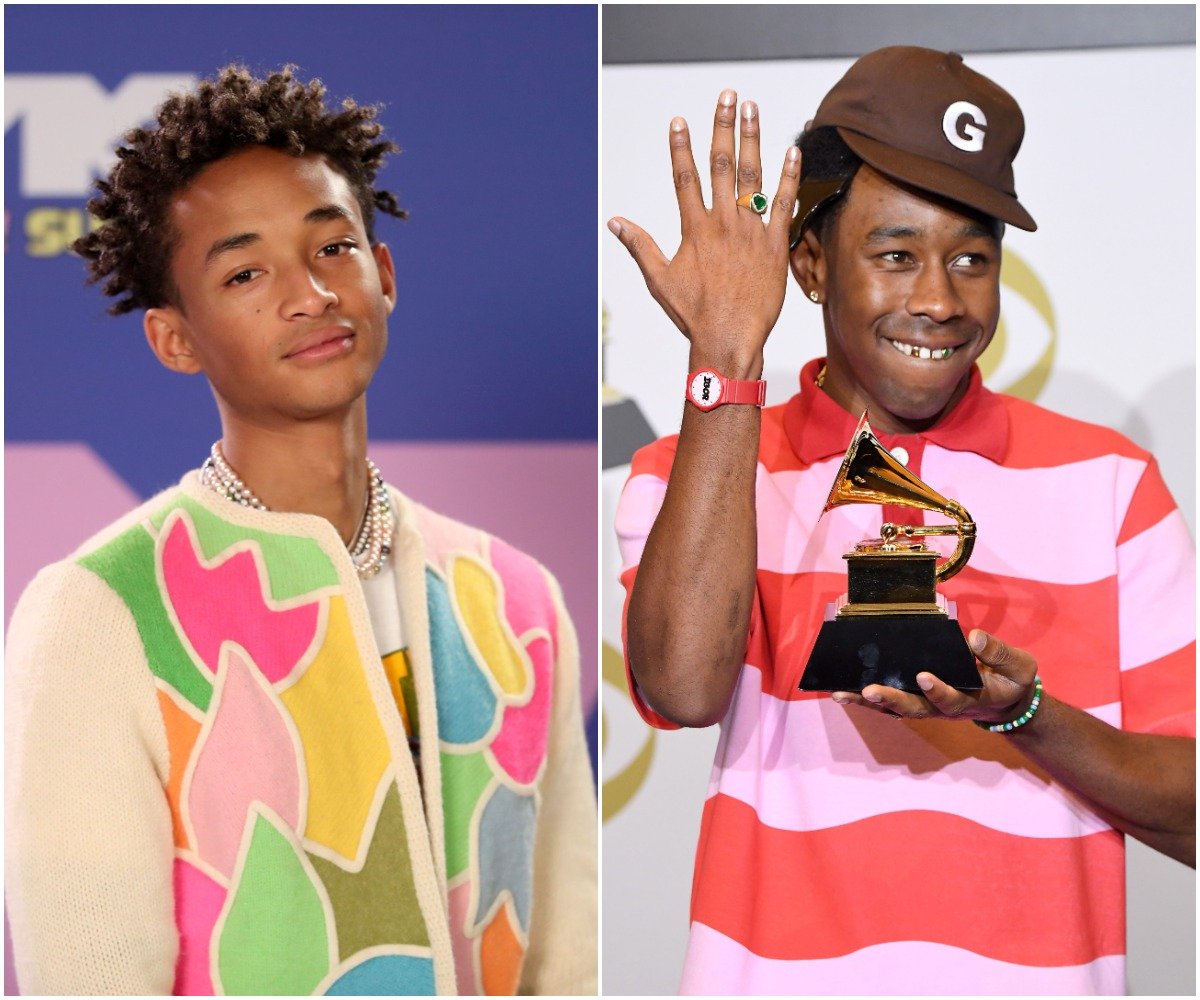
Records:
x=756, y=202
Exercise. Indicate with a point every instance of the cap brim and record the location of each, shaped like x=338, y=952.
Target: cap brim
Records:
x=938, y=178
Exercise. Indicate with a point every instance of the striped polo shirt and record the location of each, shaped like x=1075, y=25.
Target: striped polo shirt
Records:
x=843, y=851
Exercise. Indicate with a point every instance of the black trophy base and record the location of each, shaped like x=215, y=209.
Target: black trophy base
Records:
x=854, y=651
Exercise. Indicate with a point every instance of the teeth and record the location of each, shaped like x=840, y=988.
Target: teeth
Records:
x=940, y=354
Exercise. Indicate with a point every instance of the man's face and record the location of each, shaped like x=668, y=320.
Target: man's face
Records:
x=283, y=304
x=913, y=292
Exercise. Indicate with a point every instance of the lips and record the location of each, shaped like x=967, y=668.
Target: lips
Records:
x=328, y=339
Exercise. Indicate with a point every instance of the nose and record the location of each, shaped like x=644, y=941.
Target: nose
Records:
x=306, y=294
x=934, y=295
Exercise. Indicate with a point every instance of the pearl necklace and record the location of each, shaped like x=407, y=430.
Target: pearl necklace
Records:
x=372, y=543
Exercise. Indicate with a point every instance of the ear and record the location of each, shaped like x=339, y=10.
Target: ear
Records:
x=166, y=333
x=810, y=266
x=387, y=274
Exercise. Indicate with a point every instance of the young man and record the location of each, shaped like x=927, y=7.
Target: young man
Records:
x=842, y=850
x=282, y=730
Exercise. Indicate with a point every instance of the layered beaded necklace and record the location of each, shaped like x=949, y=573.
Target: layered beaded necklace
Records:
x=372, y=543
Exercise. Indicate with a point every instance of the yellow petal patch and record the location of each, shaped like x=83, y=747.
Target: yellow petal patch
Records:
x=345, y=750
x=477, y=595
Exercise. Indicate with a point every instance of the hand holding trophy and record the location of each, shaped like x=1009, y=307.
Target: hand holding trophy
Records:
x=893, y=624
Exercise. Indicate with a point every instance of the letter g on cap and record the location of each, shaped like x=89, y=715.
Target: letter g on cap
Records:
x=970, y=138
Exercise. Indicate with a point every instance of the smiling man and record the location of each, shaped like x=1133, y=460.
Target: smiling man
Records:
x=280, y=729
x=877, y=842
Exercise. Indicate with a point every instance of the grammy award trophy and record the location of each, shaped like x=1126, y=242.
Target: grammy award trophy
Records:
x=892, y=623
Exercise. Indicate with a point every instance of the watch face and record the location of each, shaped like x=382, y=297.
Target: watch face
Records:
x=705, y=390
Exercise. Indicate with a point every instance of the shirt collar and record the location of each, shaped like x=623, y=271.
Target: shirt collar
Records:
x=818, y=428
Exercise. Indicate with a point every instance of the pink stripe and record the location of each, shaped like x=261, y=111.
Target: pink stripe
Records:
x=793, y=535
x=1046, y=524
x=813, y=764
x=639, y=506
x=1009, y=505
x=718, y=965
x=1157, y=592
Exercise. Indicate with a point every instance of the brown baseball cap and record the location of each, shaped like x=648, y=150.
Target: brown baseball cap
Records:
x=924, y=118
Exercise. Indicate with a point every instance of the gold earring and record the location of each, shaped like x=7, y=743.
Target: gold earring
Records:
x=814, y=296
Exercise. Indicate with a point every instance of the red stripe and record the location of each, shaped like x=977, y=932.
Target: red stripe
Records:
x=774, y=449
x=655, y=459
x=1151, y=502
x=1160, y=697
x=912, y=876
x=1040, y=439
x=1061, y=625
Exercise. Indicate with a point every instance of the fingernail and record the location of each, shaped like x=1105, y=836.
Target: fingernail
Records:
x=727, y=98
x=924, y=682
x=874, y=696
x=749, y=110
x=793, y=154
x=841, y=699
x=678, y=124
x=614, y=227
x=978, y=640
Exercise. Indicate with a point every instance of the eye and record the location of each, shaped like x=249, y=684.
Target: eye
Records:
x=337, y=249
x=243, y=277
x=896, y=257
x=973, y=260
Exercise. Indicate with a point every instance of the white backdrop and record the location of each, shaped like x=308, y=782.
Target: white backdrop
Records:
x=1108, y=170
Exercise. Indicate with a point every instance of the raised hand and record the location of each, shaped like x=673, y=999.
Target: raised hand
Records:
x=725, y=285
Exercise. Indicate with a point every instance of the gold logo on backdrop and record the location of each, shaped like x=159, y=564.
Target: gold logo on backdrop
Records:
x=624, y=785
x=1019, y=278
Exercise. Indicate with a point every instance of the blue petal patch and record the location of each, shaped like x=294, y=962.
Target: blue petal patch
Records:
x=387, y=976
x=466, y=704
x=506, y=831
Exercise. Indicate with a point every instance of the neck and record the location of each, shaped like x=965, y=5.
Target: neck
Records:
x=844, y=390
x=315, y=466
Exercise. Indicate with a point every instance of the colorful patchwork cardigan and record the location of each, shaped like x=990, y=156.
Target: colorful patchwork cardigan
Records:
x=209, y=788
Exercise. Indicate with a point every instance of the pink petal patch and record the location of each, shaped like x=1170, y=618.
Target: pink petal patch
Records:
x=226, y=601
x=520, y=746
x=527, y=600
x=463, y=946
x=246, y=755
x=198, y=902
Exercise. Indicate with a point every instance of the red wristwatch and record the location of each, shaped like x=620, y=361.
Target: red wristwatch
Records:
x=708, y=389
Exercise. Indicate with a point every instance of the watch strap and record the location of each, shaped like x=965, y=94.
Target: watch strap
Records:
x=753, y=391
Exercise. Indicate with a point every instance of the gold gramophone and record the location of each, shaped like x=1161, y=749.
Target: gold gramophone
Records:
x=893, y=624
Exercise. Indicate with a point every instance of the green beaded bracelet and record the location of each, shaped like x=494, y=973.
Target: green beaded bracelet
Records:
x=1017, y=723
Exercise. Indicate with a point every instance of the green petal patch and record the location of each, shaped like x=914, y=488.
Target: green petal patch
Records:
x=274, y=938
x=127, y=565
x=464, y=778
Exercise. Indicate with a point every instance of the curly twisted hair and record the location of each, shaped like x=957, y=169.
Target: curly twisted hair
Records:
x=131, y=252
x=825, y=156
